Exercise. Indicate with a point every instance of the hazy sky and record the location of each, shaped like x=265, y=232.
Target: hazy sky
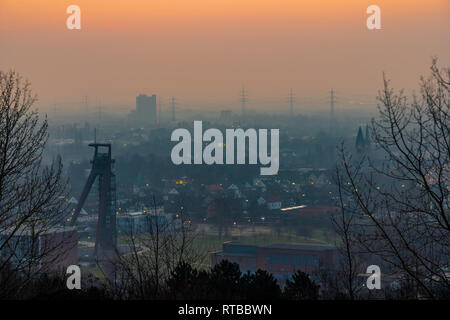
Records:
x=207, y=49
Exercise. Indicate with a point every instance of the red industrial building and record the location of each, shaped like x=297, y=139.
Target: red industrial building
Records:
x=282, y=260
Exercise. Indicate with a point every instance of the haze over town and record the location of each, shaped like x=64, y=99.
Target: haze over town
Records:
x=175, y=145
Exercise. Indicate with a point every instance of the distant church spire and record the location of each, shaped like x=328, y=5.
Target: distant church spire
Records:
x=360, y=144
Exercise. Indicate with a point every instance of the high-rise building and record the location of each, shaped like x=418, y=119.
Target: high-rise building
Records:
x=146, y=108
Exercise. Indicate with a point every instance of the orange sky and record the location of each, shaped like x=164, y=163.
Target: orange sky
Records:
x=207, y=49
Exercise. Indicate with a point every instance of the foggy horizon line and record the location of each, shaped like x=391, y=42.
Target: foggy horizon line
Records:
x=301, y=103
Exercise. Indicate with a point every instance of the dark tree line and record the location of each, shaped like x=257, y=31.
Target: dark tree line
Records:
x=223, y=281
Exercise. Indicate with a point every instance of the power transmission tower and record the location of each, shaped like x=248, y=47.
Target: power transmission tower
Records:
x=244, y=101
x=291, y=102
x=172, y=107
x=332, y=119
x=159, y=110
x=332, y=104
x=86, y=106
x=55, y=109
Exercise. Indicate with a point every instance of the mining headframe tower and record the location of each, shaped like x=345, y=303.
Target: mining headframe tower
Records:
x=102, y=168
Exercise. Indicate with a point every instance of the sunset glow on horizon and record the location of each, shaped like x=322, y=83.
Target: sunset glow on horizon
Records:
x=208, y=49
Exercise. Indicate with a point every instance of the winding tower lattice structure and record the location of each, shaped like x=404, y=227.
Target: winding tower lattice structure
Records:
x=102, y=168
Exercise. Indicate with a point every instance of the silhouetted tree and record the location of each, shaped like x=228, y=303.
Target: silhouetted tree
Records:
x=31, y=193
x=225, y=280
x=398, y=203
x=301, y=287
x=345, y=278
x=260, y=285
x=221, y=213
x=142, y=271
x=188, y=283
x=53, y=287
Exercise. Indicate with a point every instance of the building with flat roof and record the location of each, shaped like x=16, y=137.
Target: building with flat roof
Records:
x=44, y=249
x=282, y=260
x=146, y=221
x=146, y=108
